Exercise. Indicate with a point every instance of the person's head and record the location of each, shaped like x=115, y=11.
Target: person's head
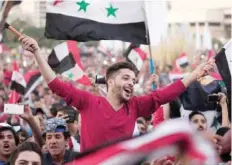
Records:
x=40, y=112
x=221, y=132
x=53, y=111
x=142, y=125
x=8, y=140
x=56, y=135
x=120, y=80
x=198, y=120
x=28, y=153
x=22, y=135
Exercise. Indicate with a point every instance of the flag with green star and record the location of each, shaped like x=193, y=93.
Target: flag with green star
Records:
x=65, y=60
x=84, y=20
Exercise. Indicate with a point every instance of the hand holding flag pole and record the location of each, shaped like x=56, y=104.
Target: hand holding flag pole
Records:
x=12, y=29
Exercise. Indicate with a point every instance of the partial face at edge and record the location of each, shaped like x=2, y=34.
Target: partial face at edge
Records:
x=122, y=84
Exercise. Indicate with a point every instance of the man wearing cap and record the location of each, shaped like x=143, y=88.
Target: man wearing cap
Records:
x=8, y=142
x=56, y=137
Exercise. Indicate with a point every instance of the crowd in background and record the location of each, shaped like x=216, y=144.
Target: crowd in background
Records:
x=43, y=106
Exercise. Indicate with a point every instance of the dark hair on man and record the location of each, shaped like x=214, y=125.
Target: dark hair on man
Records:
x=16, y=138
x=120, y=65
x=25, y=146
x=196, y=113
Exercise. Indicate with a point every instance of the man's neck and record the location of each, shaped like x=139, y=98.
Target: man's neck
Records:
x=114, y=102
x=58, y=159
x=3, y=158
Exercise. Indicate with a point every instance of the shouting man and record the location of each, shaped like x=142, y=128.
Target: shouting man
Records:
x=112, y=117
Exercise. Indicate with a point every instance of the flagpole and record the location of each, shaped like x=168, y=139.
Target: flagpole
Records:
x=151, y=62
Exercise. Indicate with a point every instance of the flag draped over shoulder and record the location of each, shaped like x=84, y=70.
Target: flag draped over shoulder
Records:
x=65, y=60
x=85, y=20
x=169, y=138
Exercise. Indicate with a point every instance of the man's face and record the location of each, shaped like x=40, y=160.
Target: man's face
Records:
x=7, y=143
x=122, y=84
x=199, y=122
x=56, y=143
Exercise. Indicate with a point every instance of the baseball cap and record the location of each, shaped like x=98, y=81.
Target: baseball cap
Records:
x=56, y=125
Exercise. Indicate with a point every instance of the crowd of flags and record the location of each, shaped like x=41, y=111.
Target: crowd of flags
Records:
x=68, y=20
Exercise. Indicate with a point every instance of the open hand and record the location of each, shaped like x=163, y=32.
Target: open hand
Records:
x=27, y=113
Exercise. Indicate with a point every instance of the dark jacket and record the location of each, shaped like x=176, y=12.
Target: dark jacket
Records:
x=68, y=157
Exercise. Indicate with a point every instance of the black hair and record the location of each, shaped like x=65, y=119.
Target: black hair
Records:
x=53, y=111
x=25, y=146
x=117, y=66
x=16, y=138
x=222, y=131
x=196, y=113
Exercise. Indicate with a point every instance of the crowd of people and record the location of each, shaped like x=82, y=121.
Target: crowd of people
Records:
x=63, y=119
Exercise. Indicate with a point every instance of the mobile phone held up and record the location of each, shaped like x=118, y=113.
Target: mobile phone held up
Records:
x=72, y=114
x=213, y=98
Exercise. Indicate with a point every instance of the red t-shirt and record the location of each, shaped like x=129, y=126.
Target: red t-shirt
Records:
x=100, y=122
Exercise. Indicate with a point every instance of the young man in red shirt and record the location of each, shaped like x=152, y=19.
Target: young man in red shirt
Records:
x=112, y=117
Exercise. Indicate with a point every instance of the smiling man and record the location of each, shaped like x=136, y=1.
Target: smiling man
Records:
x=112, y=117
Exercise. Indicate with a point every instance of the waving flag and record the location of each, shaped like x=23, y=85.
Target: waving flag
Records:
x=18, y=85
x=65, y=60
x=169, y=138
x=85, y=20
x=224, y=62
x=136, y=55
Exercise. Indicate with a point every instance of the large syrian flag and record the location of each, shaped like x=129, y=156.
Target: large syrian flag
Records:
x=170, y=138
x=85, y=20
x=224, y=62
x=136, y=55
x=65, y=60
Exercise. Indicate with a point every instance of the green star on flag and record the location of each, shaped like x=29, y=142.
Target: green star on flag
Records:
x=111, y=11
x=83, y=5
x=70, y=75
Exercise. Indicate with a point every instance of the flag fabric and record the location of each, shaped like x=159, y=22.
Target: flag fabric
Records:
x=85, y=20
x=168, y=139
x=135, y=55
x=224, y=61
x=195, y=98
x=156, y=19
x=33, y=79
x=18, y=85
x=182, y=60
x=65, y=60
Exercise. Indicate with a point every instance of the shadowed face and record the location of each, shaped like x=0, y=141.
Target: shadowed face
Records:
x=122, y=84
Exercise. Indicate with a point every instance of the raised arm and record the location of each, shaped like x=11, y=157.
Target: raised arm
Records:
x=73, y=96
x=32, y=46
x=147, y=104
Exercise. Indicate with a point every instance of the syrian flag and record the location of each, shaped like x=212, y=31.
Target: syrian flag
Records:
x=136, y=55
x=65, y=60
x=86, y=20
x=182, y=60
x=33, y=79
x=224, y=61
x=18, y=85
x=170, y=138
